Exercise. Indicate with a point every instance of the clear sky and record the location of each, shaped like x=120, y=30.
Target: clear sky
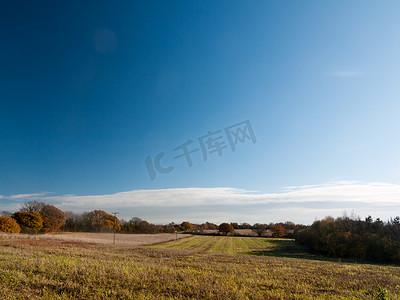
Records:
x=92, y=90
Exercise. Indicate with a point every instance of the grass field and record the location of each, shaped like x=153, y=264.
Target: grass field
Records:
x=56, y=269
x=236, y=245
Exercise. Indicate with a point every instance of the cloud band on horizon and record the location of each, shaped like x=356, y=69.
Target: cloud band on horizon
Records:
x=339, y=195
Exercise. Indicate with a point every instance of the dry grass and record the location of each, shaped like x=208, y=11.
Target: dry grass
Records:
x=59, y=269
x=101, y=238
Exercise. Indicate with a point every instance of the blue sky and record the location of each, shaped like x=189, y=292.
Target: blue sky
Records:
x=89, y=90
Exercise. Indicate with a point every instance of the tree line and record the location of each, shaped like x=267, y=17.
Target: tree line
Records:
x=33, y=217
x=39, y=217
x=351, y=237
x=345, y=237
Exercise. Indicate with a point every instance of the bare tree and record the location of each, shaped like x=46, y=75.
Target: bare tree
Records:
x=30, y=206
x=259, y=229
x=5, y=213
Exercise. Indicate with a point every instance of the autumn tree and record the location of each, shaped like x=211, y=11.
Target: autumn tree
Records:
x=211, y=226
x=9, y=225
x=30, y=222
x=186, y=226
x=225, y=228
x=278, y=230
x=53, y=218
x=102, y=221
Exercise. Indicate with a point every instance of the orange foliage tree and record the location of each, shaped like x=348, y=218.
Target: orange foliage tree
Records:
x=278, y=230
x=226, y=228
x=211, y=226
x=9, y=225
x=102, y=221
x=30, y=222
x=53, y=218
x=186, y=226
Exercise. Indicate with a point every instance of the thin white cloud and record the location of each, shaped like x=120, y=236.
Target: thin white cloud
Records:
x=334, y=183
x=341, y=191
x=301, y=201
x=26, y=196
x=12, y=207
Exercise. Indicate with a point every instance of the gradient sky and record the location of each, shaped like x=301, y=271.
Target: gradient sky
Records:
x=89, y=89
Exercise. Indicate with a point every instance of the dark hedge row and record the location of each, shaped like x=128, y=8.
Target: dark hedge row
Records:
x=350, y=237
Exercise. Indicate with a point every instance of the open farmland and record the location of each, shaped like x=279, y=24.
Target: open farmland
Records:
x=57, y=269
x=236, y=245
x=100, y=238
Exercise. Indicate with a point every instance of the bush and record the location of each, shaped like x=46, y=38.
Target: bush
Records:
x=9, y=225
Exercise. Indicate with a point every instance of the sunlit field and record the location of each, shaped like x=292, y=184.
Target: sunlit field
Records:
x=56, y=269
x=236, y=245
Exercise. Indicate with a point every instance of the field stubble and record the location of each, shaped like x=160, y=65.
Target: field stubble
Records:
x=57, y=269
